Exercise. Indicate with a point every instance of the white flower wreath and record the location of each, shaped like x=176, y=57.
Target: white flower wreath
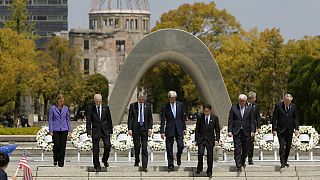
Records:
x=44, y=140
x=120, y=139
x=307, y=139
x=80, y=139
x=226, y=141
x=155, y=142
x=189, y=138
x=265, y=139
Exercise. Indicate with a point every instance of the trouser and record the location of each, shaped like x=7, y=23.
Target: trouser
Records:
x=251, y=149
x=205, y=144
x=169, y=147
x=285, y=141
x=59, y=147
x=96, y=149
x=140, y=140
x=241, y=145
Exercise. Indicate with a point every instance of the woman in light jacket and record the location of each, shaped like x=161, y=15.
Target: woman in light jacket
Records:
x=59, y=128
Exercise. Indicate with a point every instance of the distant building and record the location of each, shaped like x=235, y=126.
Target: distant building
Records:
x=50, y=16
x=111, y=35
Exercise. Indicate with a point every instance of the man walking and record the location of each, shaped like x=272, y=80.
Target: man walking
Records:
x=284, y=122
x=173, y=126
x=99, y=125
x=140, y=127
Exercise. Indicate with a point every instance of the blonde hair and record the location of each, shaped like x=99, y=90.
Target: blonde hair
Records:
x=60, y=96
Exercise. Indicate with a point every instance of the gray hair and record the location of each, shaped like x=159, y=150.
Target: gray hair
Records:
x=172, y=94
x=288, y=96
x=97, y=96
x=242, y=97
x=252, y=95
x=140, y=94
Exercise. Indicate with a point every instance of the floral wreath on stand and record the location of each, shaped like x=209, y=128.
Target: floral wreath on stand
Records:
x=265, y=139
x=80, y=139
x=307, y=138
x=155, y=143
x=226, y=141
x=44, y=139
x=189, y=138
x=120, y=139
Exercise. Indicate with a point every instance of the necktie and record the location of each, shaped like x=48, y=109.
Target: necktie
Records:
x=141, y=115
x=98, y=111
x=207, y=120
x=287, y=109
x=242, y=111
x=173, y=110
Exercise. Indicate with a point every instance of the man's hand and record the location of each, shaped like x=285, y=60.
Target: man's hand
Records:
x=149, y=132
x=296, y=132
x=89, y=136
x=274, y=133
x=130, y=132
x=252, y=134
x=162, y=135
x=69, y=134
x=185, y=132
x=230, y=134
x=13, y=177
x=51, y=133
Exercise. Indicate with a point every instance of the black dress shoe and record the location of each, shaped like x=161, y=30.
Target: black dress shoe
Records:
x=144, y=169
x=209, y=174
x=198, y=172
x=287, y=164
x=98, y=169
x=55, y=163
x=250, y=162
x=106, y=164
x=282, y=166
x=239, y=169
x=179, y=161
x=136, y=164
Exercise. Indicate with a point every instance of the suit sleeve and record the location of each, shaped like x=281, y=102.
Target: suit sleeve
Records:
x=230, y=120
x=51, y=116
x=183, y=117
x=197, y=129
x=150, y=117
x=253, y=121
x=258, y=117
x=295, y=119
x=130, y=117
x=163, y=119
x=88, y=123
x=275, y=118
x=217, y=129
x=110, y=120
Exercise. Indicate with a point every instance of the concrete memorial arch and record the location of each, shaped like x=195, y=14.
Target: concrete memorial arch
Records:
x=181, y=48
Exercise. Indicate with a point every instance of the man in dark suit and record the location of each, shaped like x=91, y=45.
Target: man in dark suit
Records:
x=140, y=127
x=99, y=126
x=241, y=125
x=252, y=97
x=284, y=122
x=173, y=126
x=206, y=128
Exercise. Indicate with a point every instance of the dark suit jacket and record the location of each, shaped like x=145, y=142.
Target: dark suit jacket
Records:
x=134, y=114
x=256, y=113
x=169, y=124
x=95, y=125
x=3, y=174
x=235, y=121
x=281, y=121
x=206, y=131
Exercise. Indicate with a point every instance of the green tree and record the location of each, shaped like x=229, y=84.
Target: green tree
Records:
x=202, y=20
x=18, y=19
x=304, y=84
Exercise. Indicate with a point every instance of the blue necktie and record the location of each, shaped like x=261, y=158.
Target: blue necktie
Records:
x=141, y=115
x=98, y=111
x=173, y=111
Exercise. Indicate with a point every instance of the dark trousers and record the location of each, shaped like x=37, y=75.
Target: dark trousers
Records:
x=251, y=149
x=140, y=140
x=201, y=146
x=169, y=147
x=96, y=149
x=285, y=141
x=241, y=146
x=59, y=147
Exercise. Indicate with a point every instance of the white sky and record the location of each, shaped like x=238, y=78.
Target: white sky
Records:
x=295, y=18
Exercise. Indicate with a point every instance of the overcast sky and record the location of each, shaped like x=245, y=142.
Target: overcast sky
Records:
x=295, y=18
